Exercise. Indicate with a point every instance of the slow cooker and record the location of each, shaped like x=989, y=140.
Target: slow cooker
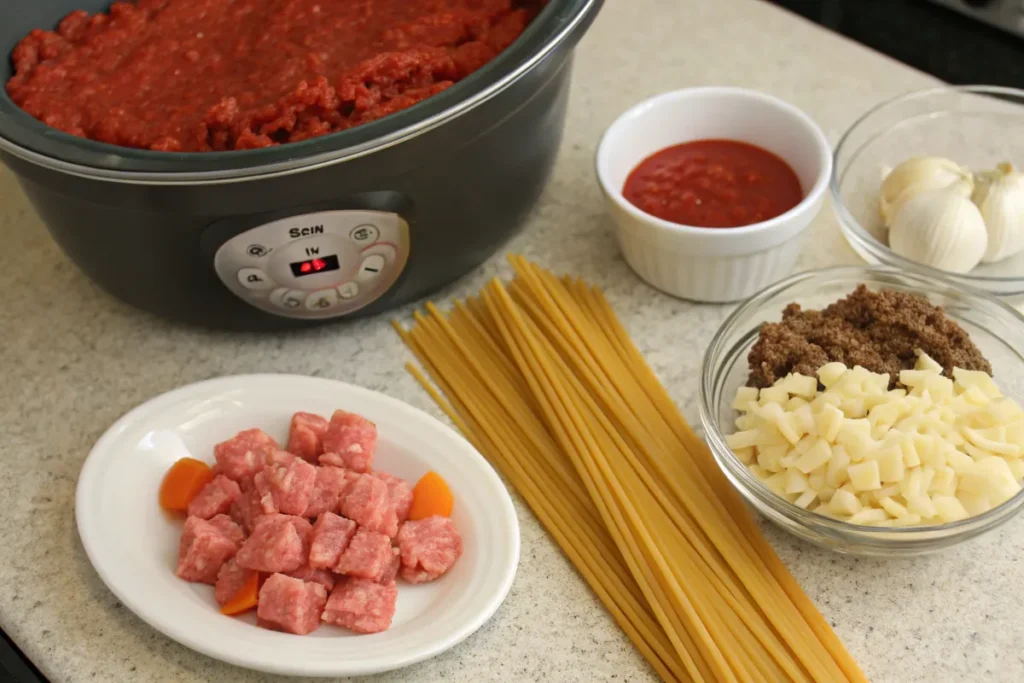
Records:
x=342, y=225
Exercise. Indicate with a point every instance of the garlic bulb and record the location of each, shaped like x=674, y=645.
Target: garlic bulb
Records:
x=917, y=175
x=1000, y=197
x=940, y=228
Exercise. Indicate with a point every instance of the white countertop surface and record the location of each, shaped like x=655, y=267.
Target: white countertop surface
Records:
x=74, y=360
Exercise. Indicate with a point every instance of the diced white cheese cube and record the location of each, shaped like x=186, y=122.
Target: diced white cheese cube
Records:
x=865, y=476
x=844, y=503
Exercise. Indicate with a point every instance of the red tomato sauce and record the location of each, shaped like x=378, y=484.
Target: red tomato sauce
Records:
x=202, y=75
x=713, y=184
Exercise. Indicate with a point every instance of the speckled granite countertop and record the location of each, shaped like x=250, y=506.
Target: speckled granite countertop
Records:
x=74, y=360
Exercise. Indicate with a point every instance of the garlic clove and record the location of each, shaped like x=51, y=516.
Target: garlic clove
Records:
x=999, y=196
x=917, y=175
x=941, y=228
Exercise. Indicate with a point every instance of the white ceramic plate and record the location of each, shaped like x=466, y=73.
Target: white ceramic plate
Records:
x=132, y=543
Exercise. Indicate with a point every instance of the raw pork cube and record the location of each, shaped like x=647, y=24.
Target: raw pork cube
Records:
x=274, y=546
x=304, y=436
x=280, y=458
x=247, y=509
x=305, y=531
x=328, y=487
x=429, y=548
x=368, y=504
x=362, y=606
x=215, y=498
x=368, y=556
x=202, y=550
x=286, y=489
x=322, y=576
x=331, y=535
x=229, y=528
x=245, y=454
x=391, y=573
x=290, y=604
x=399, y=492
x=230, y=580
x=353, y=438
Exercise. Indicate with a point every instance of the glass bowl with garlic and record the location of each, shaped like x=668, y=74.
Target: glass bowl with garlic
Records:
x=933, y=181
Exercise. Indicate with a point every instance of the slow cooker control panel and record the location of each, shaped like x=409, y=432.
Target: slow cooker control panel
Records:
x=316, y=265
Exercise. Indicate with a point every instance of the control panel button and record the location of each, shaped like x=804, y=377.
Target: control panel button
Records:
x=288, y=299
x=348, y=290
x=321, y=300
x=370, y=268
x=254, y=278
x=364, y=234
x=257, y=250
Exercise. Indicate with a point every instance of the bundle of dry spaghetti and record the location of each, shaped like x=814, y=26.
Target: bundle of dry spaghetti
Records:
x=540, y=375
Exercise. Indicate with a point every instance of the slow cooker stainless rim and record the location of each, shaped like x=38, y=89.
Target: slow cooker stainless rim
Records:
x=315, y=161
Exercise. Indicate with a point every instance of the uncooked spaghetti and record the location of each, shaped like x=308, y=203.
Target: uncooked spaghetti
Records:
x=541, y=376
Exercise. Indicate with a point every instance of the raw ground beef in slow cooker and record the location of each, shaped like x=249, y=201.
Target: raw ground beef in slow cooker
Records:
x=205, y=75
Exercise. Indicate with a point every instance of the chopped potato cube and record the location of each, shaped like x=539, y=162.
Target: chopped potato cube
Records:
x=959, y=462
x=744, y=395
x=890, y=465
x=949, y=508
x=739, y=440
x=773, y=394
x=925, y=362
x=830, y=373
x=868, y=516
x=975, y=378
x=805, y=499
x=794, y=403
x=816, y=456
x=865, y=476
x=829, y=420
x=816, y=480
x=776, y=483
x=796, y=481
x=853, y=407
x=892, y=507
x=746, y=455
x=914, y=378
x=909, y=520
x=974, y=504
x=944, y=480
x=1017, y=467
x=800, y=385
x=844, y=503
x=921, y=505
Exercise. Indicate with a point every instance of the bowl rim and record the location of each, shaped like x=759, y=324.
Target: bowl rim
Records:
x=627, y=119
x=852, y=228
x=751, y=486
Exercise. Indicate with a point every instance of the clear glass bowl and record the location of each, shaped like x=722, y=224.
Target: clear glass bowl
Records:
x=996, y=328
x=976, y=126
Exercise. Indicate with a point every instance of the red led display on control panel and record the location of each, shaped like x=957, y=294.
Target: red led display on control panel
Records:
x=315, y=265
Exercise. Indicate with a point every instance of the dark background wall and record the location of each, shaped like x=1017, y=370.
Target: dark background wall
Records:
x=924, y=35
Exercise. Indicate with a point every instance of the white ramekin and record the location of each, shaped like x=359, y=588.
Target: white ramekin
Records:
x=712, y=264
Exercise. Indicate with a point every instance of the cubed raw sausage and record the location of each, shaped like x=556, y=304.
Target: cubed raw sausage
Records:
x=230, y=580
x=242, y=456
x=429, y=548
x=290, y=604
x=229, y=528
x=368, y=504
x=286, y=489
x=399, y=492
x=353, y=438
x=328, y=487
x=322, y=576
x=331, y=535
x=274, y=546
x=368, y=556
x=304, y=436
x=215, y=498
x=361, y=606
x=202, y=550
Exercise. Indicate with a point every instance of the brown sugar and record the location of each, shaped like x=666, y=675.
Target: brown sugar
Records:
x=876, y=330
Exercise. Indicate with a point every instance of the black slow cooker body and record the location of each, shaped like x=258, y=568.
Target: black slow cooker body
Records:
x=463, y=185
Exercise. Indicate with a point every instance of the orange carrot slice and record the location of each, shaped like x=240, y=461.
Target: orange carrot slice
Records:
x=246, y=597
x=431, y=496
x=183, y=481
